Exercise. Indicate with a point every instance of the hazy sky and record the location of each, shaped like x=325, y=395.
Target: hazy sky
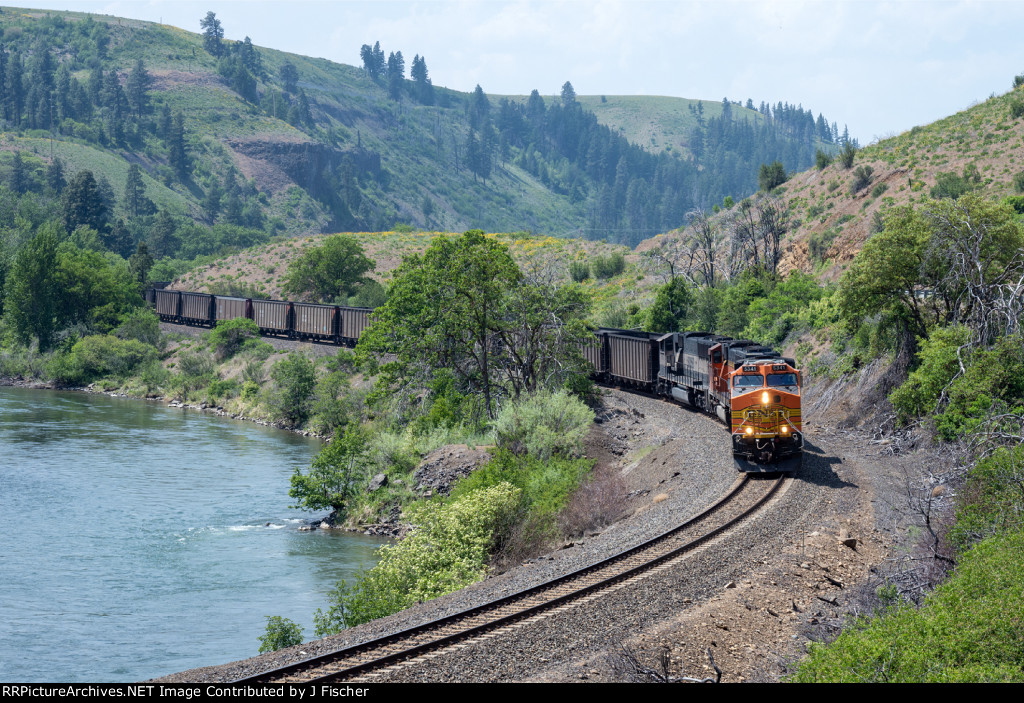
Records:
x=880, y=67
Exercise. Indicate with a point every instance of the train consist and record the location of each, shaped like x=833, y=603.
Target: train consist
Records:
x=751, y=388
x=333, y=324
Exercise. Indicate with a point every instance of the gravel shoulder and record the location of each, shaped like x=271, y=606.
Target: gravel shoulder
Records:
x=755, y=597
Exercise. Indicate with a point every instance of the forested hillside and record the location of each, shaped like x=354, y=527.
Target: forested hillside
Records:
x=231, y=133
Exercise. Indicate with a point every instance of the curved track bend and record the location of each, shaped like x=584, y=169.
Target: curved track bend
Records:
x=744, y=499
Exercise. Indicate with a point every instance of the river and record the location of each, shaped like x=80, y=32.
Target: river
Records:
x=138, y=540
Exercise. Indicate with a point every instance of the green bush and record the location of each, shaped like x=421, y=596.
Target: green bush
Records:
x=336, y=474
x=969, y=629
x=546, y=485
x=607, y=266
x=771, y=176
x=989, y=375
x=370, y=294
x=294, y=379
x=544, y=424
x=100, y=355
x=579, y=271
x=937, y=364
x=1018, y=182
x=992, y=375
x=447, y=550
x=1017, y=108
x=280, y=633
x=232, y=336
x=847, y=154
x=991, y=498
x=950, y=185
x=222, y=389
x=822, y=160
x=861, y=179
x=143, y=325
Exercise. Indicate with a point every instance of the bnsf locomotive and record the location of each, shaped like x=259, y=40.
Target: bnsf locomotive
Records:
x=751, y=388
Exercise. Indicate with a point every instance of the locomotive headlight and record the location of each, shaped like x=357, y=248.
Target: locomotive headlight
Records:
x=765, y=398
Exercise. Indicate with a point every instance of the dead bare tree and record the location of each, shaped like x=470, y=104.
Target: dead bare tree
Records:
x=979, y=251
x=704, y=244
x=772, y=225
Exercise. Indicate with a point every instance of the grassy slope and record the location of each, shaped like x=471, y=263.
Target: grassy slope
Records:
x=984, y=135
x=657, y=123
x=265, y=266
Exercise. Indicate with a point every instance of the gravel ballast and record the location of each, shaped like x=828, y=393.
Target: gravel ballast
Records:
x=752, y=596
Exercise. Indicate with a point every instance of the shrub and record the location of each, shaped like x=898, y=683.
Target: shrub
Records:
x=879, y=189
x=544, y=424
x=371, y=294
x=295, y=379
x=969, y=629
x=950, y=185
x=337, y=472
x=280, y=633
x=143, y=325
x=990, y=498
x=861, y=179
x=447, y=550
x=579, y=271
x=822, y=160
x=847, y=154
x=1017, y=108
x=101, y=355
x=221, y=389
x=819, y=243
x=607, y=266
x=1018, y=182
x=771, y=176
x=231, y=336
x=938, y=364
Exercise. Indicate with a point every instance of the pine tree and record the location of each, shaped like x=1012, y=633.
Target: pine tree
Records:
x=176, y=154
x=213, y=33
x=136, y=88
x=396, y=74
x=83, y=204
x=290, y=77
x=135, y=200
x=19, y=176
x=55, y=180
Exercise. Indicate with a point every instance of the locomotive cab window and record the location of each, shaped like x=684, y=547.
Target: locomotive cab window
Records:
x=782, y=379
x=748, y=381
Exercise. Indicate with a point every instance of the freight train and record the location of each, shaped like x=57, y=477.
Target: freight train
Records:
x=334, y=324
x=752, y=389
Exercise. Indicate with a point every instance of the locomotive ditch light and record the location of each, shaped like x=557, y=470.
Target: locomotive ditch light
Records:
x=785, y=429
x=750, y=430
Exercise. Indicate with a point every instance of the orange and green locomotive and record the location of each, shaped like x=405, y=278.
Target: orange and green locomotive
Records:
x=751, y=388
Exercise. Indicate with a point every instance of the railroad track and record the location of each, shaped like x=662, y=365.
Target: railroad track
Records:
x=744, y=499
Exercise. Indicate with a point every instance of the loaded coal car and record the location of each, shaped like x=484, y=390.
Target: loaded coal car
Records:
x=352, y=322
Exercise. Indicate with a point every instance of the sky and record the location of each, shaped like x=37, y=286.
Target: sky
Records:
x=878, y=67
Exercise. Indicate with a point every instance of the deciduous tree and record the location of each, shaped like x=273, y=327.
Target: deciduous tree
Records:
x=334, y=270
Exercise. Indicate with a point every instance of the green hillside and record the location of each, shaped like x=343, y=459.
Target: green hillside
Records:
x=233, y=133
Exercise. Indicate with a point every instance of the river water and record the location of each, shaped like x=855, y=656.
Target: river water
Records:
x=138, y=540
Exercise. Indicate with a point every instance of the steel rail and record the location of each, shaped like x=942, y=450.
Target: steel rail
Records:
x=309, y=669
